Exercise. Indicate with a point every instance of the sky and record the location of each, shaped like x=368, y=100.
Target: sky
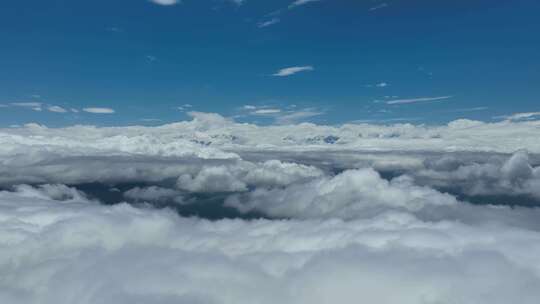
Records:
x=141, y=62
x=280, y=151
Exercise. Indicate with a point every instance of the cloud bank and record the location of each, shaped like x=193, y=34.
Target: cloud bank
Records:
x=214, y=211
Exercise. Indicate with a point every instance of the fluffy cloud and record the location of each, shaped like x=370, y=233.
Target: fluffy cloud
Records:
x=56, y=246
x=512, y=176
x=350, y=195
x=345, y=213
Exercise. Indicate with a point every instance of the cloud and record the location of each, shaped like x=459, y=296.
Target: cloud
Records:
x=266, y=111
x=55, y=243
x=301, y=2
x=293, y=117
x=56, y=109
x=378, y=7
x=165, y=2
x=298, y=213
x=292, y=70
x=153, y=193
x=416, y=100
x=521, y=116
x=99, y=110
x=351, y=194
x=268, y=23
x=36, y=106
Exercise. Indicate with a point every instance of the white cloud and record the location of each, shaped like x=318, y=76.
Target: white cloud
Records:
x=301, y=2
x=378, y=7
x=292, y=70
x=266, y=111
x=56, y=109
x=521, y=116
x=342, y=205
x=57, y=246
x=99, y=110
x=268, y=22
x=36, y=106
x=294, y=117
x=165, y=2
x=415, y=100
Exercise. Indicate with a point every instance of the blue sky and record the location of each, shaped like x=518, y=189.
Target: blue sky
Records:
x=367, y=61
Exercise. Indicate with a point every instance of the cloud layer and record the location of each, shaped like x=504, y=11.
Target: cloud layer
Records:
x=310, y=213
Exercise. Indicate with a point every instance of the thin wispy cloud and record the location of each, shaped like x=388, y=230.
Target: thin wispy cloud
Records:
x=292, y=70
x=297, y=116
x=416, y=100
x=520, y=116
x=268, y=22
x=99, y=110
x=165, y=2
x=36, y=106
x=301, y=2
x=184, y=107
x=266, y=111
x=378, y=7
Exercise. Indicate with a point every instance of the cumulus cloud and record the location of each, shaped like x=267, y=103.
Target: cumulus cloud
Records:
x=65, y=249
x=292, y=70
x=496, y=176
x=351, y=194
x=99, y=110
x=319, y=212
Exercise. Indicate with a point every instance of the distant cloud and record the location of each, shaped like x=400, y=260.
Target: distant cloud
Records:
x=115, y=29
x=99, y=110
x=415, y=100
x=184, y=107
x=165, y=2
x=151, y=58
x=56, y=109
x=377, y=7
x=36, y=106
x=266, y=111
x=382, y=85
x=292, y=70
x=521, y=116
x=297, y=116
x=301, y=2
x=268, y=22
